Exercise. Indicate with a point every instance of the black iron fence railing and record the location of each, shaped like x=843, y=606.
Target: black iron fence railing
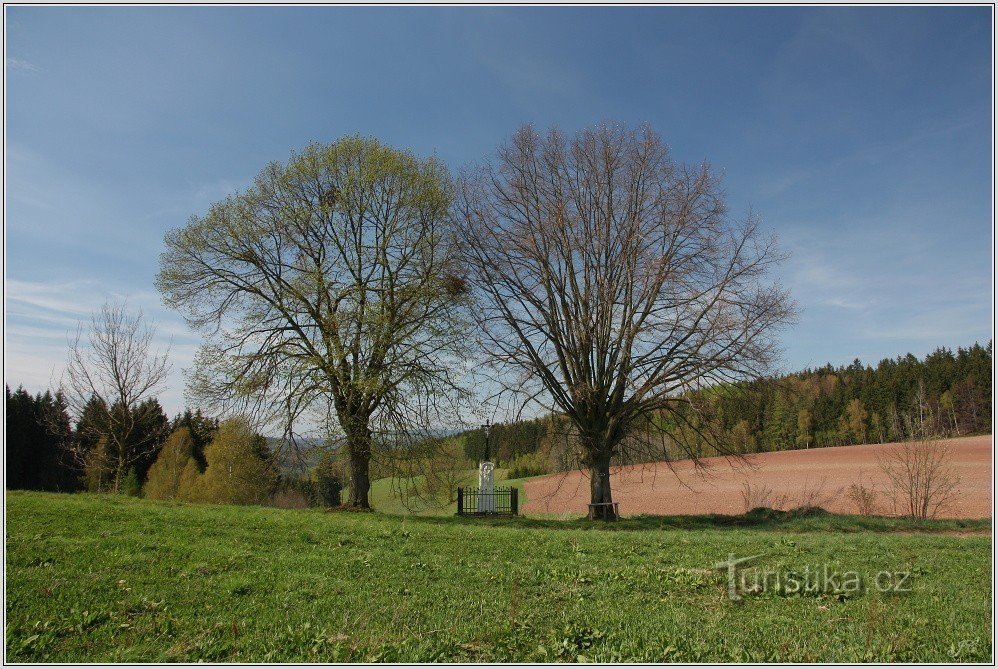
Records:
x=499, y=502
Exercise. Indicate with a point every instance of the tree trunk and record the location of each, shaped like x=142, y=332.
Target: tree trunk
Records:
x=119, y=471
x=599, y=489
x=360, y=481
x=359, y=448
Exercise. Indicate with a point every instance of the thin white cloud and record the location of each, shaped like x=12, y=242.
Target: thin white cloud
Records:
x=22, y=65
x=936, y=323
x=63, y=297
x=40, y=318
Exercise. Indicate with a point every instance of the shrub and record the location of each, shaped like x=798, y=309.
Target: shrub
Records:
x=813, y=495
x=291, y=498
x=922, y=482
x=130, y=484
x=756, y=497
x=328, y=484
x=296, y=492
x=528, y=464
x=864, y=498
x=188, y=487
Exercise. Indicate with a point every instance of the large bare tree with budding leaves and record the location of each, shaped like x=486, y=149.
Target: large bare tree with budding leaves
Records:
x=612, y=284
x=327, y=293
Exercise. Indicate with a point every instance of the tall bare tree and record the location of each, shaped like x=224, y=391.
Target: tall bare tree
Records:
x=112, y=374
x=613, y=283
x=328, y=289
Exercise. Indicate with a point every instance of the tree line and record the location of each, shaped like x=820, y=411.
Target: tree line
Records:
x=944, y=394
x=191, y=457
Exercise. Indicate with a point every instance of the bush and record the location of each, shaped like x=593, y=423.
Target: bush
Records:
x=756, y=497
x=188, y=487
x=328, y=484
x=865, y=499
x=296, y=492
x=130, y=484
x=528, y=464
x=236, y=473
x=922, y=480
x=290, y=498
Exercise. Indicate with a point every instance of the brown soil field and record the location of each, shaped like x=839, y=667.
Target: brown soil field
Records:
x=785, y=479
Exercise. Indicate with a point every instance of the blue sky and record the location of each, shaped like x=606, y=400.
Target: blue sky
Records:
x=861, y=136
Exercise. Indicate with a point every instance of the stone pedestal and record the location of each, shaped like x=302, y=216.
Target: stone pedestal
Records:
x=486, y=488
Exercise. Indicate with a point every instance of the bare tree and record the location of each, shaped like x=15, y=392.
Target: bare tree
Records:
x=613, y=285
x=328, y=293
x=115, y=371
x=922, y=482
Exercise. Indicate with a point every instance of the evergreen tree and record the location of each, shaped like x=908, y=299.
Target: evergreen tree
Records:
x=151, y=431
x=38, y=442
x=948, y=393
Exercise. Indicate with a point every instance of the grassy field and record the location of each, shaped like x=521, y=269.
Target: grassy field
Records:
x=93, y=578
x=386, y=498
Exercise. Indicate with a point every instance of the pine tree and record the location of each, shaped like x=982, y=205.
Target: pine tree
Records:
x=130, y=484
x=151, y=430
x=20, y=433
x=38, y=442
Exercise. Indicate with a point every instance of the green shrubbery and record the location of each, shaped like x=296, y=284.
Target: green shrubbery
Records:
x=164, y=477
x=529, y=464
x=130, y=484
x=238, y=470
x=328, y=482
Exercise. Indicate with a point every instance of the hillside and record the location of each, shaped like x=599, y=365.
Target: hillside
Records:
x=116, y=579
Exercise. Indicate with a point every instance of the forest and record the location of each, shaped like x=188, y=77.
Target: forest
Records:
x=946, y=393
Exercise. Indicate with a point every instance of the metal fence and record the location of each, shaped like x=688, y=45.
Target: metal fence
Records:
x=500, y=502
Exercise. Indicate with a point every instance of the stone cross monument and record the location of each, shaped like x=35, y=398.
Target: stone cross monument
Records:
x=486, y=482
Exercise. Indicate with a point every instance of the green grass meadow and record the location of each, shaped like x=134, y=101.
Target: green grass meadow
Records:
x=115, y=579
x=385, y=495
